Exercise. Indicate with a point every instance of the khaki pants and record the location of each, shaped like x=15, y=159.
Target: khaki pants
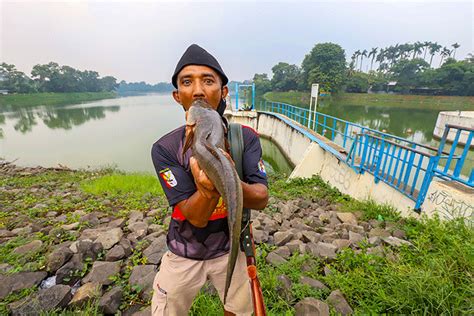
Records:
x=180, y=279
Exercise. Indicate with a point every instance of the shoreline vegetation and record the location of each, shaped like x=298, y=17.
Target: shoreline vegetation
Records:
x=104, y=232
x=13, y=101
x=418, y=102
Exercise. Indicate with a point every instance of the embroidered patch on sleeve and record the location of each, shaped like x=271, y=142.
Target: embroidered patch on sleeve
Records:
x=168, y=176
x=261, y=167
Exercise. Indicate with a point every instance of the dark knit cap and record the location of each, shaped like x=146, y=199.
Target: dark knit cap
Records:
x=196, y=55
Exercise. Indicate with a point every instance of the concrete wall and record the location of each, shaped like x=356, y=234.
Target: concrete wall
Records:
x=311, y=159
x=461, y=118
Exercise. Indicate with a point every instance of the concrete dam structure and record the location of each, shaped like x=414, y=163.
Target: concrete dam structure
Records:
x=363, y=163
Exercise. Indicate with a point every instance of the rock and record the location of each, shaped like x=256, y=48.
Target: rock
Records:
x=114, y=254
x=341, y=243
x=313, y=283
x=70, y=226
x=310, y=236
x=88, y=249
x=327, y=271
x=135, y=216
x=294, y=246
x=346, y=217
x=117, y=223
x=283, y=252
x=22, y=230
x=378, y=232
x=32, y=246
x=4, y=233
x=126, y=245
x=396, y=242
x=86, y=293
x=355, y=238
x=274, y=259
x=281, y=238
x=90, y=218
x=376, y=240
x=58, y=258
x=284, y=287
x=5, y=267
x=142, y=276
x=19, y=281
x=140, y=228
x=92, y=233
x=55, y=297
x=101, y=272
x=260, y=236
x=329, y=236
x=323, y=250
x=67, y=274
x=155, y=251
x=310, y=306
x=109, y=238
x=51, y=214
x=110, y=302
x=324, y=218
x=155, y=228
x=337, y=300
x=399, y=234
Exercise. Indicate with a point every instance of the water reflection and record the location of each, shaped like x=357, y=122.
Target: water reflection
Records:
x=413, y=124
x=55, y=118
x=276, y=161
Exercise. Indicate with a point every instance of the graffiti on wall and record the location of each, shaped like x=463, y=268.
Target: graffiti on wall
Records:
x=450, y=207
x=340, y=175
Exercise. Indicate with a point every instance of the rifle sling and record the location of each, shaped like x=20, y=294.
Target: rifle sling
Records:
x=236, y=142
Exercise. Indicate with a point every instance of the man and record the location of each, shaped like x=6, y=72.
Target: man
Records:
x=198, y=234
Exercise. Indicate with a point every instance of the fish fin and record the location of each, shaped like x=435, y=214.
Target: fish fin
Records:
x=189, y=139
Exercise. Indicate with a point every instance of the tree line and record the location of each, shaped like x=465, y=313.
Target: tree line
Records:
x=402, y=68
x=52, y=77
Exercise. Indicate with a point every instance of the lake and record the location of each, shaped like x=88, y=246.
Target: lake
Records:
x=119, y=132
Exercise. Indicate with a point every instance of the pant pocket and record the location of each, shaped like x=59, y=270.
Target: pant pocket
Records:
x=159, y=303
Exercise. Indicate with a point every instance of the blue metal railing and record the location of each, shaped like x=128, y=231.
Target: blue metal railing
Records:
x=407, y=166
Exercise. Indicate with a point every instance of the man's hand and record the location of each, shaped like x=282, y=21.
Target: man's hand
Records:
x=204, y=186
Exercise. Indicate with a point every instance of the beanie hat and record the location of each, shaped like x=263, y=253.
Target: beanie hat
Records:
x=196, y=55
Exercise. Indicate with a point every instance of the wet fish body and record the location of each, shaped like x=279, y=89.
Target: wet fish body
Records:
x=206, y=137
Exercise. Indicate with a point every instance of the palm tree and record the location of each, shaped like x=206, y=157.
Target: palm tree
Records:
x=434, y=48
x=381, y=57
x=372, y=53
x=426, y=45
x=362, y=55
x=357, y=54
x=417, y=49
x=455, y=46
x=444, y=53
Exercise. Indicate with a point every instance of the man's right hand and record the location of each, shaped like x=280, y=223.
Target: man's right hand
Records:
x=204, y=185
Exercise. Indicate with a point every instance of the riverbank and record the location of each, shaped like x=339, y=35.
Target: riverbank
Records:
x=13, y=101
x=419, y=102
x=101, y=234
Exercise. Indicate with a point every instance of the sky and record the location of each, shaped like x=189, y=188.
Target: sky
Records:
x=143, y=40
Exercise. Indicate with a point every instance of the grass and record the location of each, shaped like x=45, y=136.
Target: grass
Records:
x=137, y=184
x=434, y=276
x=442, y=103
x=12, y=101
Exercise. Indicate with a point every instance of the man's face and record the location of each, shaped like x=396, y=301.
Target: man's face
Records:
x=199, y=82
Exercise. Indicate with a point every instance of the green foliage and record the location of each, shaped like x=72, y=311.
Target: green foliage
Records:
x=358, y=82
x=137, y=184
x=325, y=64
x=35, y=99
x=14, y=80
x=52, y=77
x=432, y=277
x=285, y=77
x=13, y=297
x=262, y=84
